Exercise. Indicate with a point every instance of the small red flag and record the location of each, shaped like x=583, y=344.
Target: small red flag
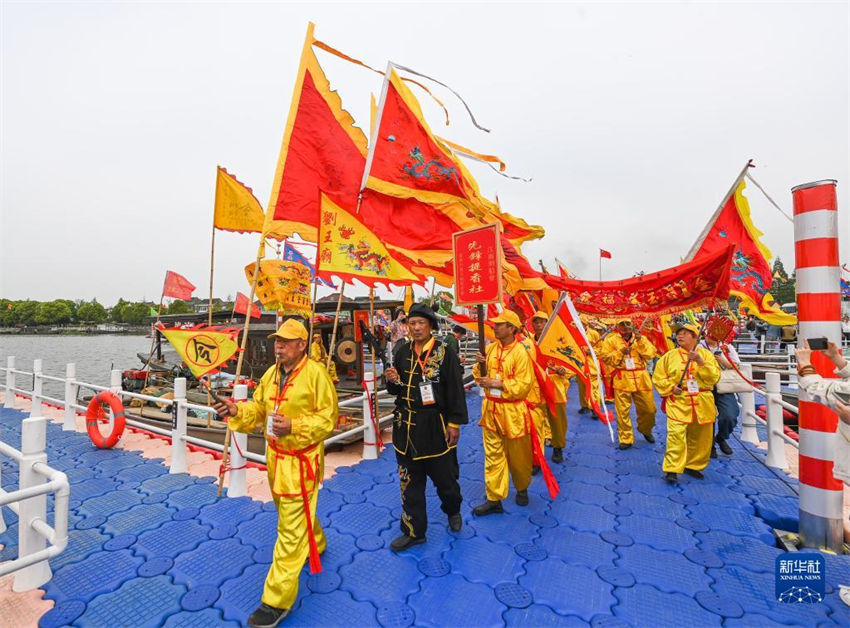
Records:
x=177, y=286
x=604, y=253
x=241, y=306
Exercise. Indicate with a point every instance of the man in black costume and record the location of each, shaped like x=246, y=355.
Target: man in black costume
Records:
x=427, y=380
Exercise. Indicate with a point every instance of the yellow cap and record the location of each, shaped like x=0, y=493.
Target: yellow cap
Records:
x=691, y=327
x=290, y=330
x=539, y=314
x=508, y=316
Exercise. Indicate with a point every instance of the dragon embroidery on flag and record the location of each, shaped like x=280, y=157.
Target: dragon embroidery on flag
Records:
x=743, y=273
x=431, y=170
x=363, y=258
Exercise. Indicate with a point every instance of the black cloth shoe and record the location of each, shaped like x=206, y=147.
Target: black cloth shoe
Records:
x=625, y=445
x=649, y=437
x=488, y=508
x=584, y=411
x=713, y=451
x=267, y=616
x=403, y=542
x=671, y=478
x=522, y=498
x=535, y=470
x=557, y=455
x=455, y=522
x=724, y=446
x=695, y=474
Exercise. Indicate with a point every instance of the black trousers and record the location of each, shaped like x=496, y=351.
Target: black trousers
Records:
x=444, y=472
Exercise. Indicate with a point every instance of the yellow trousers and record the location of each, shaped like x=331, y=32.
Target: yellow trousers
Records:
x=582, y=393
x=688, y=446
x=501, y=456
x=541, y=423
x=645, y=408
x=291, y=550
x=558, y=425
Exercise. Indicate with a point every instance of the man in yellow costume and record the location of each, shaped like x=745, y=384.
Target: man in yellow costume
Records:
x=535, y=401
x=685, y=377
x=505, y=415
x=320, y=355
x=560, y=382
x=625, y=354
x=296, y=404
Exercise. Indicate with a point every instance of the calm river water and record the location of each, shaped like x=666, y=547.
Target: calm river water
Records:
x=94, y=356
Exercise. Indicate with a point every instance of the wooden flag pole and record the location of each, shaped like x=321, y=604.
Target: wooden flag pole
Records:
x=332, y=343
x=313, y=308
x=225, y=454
x=374, y=392
x=483, y=367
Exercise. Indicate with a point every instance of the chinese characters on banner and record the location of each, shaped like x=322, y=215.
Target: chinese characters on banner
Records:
x=478, y=266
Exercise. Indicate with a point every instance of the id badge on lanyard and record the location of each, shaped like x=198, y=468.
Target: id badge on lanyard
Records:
x=426, y=392
x=692, y=386
x=496, y=392
x=630, y=363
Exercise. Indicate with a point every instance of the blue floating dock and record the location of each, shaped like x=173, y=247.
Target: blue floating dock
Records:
x=618, y=548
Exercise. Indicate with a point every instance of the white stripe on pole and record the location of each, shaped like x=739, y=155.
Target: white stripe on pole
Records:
x=815, y=444
x=822, y=223
x=820, y=329
x=818, y=280
x=820, y=502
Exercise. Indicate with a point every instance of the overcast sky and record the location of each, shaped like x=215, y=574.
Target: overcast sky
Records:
x=633, y=120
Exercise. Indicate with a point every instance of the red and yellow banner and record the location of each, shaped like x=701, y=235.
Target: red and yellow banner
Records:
x=698, y=283
x=349, y=250
x=478, y=266
x=203, y=349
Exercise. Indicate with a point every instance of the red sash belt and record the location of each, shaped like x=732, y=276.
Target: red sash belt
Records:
x=306, y=473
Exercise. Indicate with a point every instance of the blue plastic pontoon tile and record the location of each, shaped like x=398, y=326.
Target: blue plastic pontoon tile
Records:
x=369, y=542
x=75, y=475
x=453, y=601
x=693, y=525
x=155, y=566
x=654, y=506
x=617, y=538
x=649, y=485
x=744, y=551
x=357, y=519
x=113, y=466
x=231, y=510
x=167, y=483
x=434, y=567
x=581, y=548
x=686, y=500
x=138, y=519
x=264, y=554
x=657, y=533
x=480, y=560
x=81, y=543
x=618, y=510
x=755, y=620
x=97, y=574
x=704, y=558
x=380, y=577
x=62, y=614
x=88, y=489
x=732, y=521
x=718, y=604
x=588, y=493
x=340, y=549
x=141, y=603
x=324, y=582
x=223, y=531
x=608, y=621
x=530, y=551
x=778, y=512
x=395, y=615
x=582, y=517
x=120, y=542
x=667, y=571
x=200, y=597
x=194, y=496
x=541, y=617
x=205, y=618
x=230, y=557
x=592, y=461
x=258, y=531
x=710, y=493
x=154, y=498
x=774, y=485
x=755, y=593
x=505, y=528
x=95, y=456
x=109, y=503
x=543, y=520
x=641, y=605
x=172, y=539
x=142, y=472
x=548, y=581
x=513, y=596
x=241, y=595
x=345, y=483
x=743, y=466
x=600, y=477
x=331, y=609
x=380, y=494
x=616, y=575
x=184, y=514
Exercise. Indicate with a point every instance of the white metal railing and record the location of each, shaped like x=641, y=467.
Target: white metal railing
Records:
x=29, y=503
x=774, y=404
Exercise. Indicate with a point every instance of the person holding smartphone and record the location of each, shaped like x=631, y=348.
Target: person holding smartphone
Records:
x=834, y=393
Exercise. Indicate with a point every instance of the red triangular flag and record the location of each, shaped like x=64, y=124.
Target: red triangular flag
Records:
x=177, y=286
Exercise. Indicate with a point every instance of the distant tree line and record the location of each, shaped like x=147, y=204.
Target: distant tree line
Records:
x=68, y=312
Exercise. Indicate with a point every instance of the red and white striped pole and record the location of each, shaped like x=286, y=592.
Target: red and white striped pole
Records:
x=819, y=313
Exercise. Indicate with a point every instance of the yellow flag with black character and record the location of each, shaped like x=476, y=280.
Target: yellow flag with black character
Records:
x=202, y=350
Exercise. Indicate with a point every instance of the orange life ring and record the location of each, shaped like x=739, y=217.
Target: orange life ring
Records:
x=94, y=415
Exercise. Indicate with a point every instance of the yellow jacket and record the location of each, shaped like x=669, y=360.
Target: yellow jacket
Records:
x=640, y=350
x=686, y=407
x=310, y=401
x=535, y=396
x=508, y=413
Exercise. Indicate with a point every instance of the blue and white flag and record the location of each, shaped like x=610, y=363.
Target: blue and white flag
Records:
x=291, y=254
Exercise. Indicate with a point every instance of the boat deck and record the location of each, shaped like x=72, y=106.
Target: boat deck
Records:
x=618, y=547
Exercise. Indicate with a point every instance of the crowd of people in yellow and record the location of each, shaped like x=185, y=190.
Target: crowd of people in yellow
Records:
x=296, y=405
